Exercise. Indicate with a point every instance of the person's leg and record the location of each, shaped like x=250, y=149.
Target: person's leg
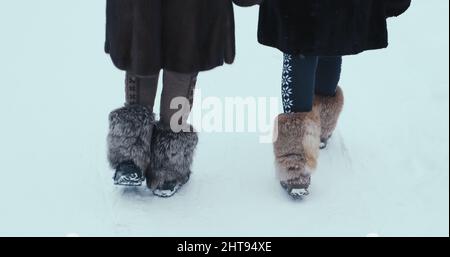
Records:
x=141, y=90
x=329, y=99
x=179, y=87
x=131, y=128
x=298, y=130
x=174, y=141
x=328, y=75
x=299, y=78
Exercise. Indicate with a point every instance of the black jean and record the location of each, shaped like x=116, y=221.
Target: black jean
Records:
x=305, y=76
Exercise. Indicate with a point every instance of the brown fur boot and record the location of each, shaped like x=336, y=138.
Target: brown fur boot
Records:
x=330, y=108
x=296, y=150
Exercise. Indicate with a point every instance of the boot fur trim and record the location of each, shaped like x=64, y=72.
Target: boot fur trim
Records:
x=171, y=156
x=129, y=138
x=330, y=108
x=297, y=146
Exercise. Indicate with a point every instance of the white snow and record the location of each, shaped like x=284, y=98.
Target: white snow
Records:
x=385, y=171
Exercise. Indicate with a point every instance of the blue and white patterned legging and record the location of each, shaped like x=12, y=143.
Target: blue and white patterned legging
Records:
x=305, y=76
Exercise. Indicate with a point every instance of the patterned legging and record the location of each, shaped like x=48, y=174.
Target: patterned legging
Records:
x=305, y=76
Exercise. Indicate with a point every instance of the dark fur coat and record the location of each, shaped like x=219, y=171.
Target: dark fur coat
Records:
x=145, y=36
x=327, y=27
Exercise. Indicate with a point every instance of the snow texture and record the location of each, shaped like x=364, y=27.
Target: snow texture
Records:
x=385, y=171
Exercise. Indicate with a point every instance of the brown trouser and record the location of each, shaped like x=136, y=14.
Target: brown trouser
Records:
x=142, y=90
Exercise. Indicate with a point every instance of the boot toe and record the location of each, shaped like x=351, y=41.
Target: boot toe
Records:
x=167, y=189
x=298, y=188
x=128, y=174
x=298, y=193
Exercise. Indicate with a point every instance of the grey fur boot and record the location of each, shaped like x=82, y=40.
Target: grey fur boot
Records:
x=129, y=140
x=296, y=151
x=171, y=160
x=330, y=108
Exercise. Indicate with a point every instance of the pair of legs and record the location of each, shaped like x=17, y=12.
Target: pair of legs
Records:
x=312, y=103
x=159, y=151
x=141, y=90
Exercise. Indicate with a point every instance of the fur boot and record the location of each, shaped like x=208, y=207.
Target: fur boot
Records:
x=171, y=160
x=129, y=140
x=330, y=108
x=296, y=150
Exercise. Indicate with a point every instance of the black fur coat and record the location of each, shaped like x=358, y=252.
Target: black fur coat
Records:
x=327, y=27
x=145, y=36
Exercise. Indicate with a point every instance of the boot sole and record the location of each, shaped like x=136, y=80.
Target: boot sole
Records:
x=166, y=193
x=128, y=180
x=299, y=194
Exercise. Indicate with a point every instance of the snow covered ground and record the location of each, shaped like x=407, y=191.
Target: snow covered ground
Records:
x=385, y=172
